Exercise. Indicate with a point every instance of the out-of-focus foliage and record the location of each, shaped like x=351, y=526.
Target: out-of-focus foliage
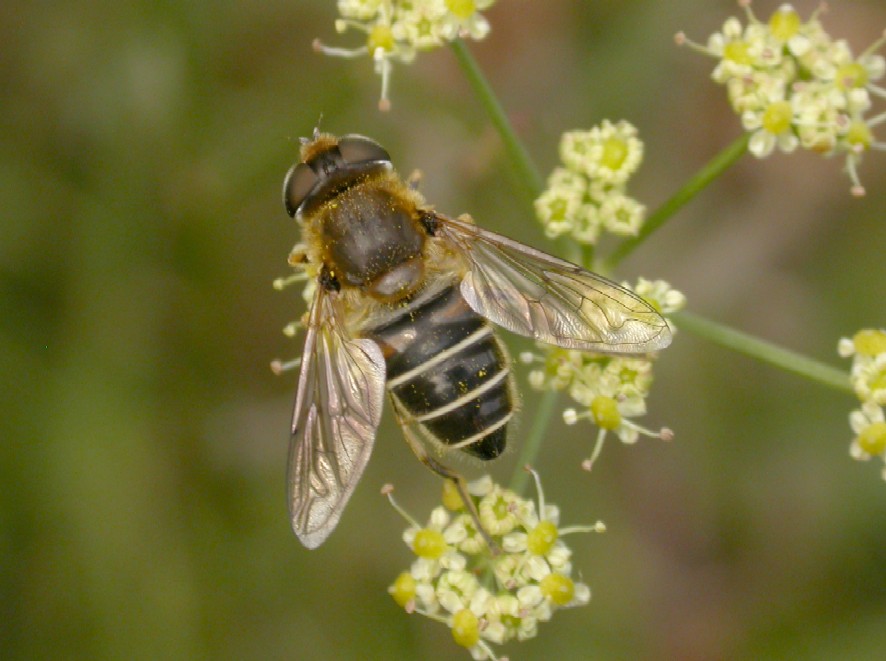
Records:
x=143, y=438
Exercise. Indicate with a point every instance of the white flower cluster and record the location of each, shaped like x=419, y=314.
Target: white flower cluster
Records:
x=483, y=596
x=868, y=377
x=795, y=86
x=609, y=389
x=587, y=195
x=396, y=29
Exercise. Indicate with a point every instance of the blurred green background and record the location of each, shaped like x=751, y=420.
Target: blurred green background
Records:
x=143, y=510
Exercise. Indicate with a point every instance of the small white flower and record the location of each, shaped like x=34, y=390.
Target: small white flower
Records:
x=360, y=10
x=622, y=215
x=608, y=153
x=868, y=378
x=455, y=589
x=588, y=224
x=730, y=47
x=420, y=23
x=845, y=347
x=481, y=486
x=867, y=348
x=772, y=127
x=564, y=178
x=557, y=209
x=660, y=294
x=463, y=19
x=632, y=375
x=426, y=597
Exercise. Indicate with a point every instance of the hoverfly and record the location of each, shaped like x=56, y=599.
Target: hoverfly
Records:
x=403, y=303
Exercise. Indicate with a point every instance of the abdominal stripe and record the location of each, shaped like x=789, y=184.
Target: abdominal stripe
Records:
x=418, y=370
x=448, y=371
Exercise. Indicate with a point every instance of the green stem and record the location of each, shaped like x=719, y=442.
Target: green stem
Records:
x=532, y=183
x=762, y=350
x=530, y=449
x=713, y=169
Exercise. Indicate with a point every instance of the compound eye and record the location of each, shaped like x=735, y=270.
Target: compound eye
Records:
x=358, y=149
x=298, y=183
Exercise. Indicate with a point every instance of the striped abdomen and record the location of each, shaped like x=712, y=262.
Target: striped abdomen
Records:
x=447, y=370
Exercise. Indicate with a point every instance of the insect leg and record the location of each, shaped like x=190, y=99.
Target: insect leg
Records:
x=414, y=179
x=443, y=471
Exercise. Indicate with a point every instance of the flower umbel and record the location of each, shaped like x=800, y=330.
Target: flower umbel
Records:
x=484, y=597
x=395, y=30
x=584, y=198
x=867, y=348
x=609, y=389
x=796, y=86
x=587, y=196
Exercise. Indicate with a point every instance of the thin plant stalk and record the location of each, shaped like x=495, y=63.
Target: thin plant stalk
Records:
x=532, y=183
x=764, y=351
x=530, y=450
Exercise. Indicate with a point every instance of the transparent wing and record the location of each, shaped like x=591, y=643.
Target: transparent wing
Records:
x=535, y=294
x=337, y=410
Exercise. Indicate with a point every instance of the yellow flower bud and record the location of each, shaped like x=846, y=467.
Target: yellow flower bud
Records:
x=540, y=539
x=558, y=588
x=605, y=412
x=784, y=23
x=429, y=544
x=403, y=589
x=869, y=342
x=380, y=37
x=465, y=628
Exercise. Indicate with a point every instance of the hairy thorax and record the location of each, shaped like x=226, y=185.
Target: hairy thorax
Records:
x=372, y=239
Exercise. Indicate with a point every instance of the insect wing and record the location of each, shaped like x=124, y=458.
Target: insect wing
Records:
x=337, y=410
x=538, y=295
